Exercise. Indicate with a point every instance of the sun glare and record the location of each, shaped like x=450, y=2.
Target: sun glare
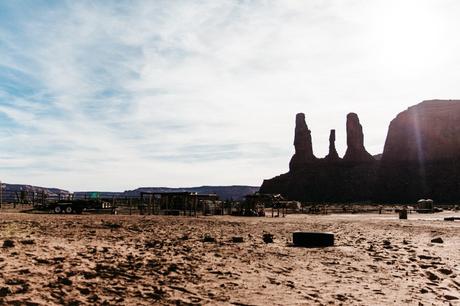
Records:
x=409, y=35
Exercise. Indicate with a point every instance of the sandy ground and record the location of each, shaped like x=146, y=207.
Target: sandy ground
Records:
x=150, y=260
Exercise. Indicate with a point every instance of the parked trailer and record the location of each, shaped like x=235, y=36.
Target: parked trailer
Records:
x=76, y=206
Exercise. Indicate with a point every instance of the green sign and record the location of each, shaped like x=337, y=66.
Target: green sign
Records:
x=94, y=195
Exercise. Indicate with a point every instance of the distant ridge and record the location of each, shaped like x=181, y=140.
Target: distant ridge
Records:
x=235, y=192
x=12, y=192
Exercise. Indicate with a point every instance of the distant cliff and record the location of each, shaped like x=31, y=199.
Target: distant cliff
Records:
x=421, y=159
x=18, y=192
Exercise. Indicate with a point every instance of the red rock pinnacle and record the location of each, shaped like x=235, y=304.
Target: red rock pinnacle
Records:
x=333, y=155
x=355, y=141
x=302, y=143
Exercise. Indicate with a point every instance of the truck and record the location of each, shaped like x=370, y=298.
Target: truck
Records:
x=426, y=207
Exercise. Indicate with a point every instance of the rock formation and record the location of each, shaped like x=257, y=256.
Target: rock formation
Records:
x=13, y=193
x=333, y=155
x=330, y=179
x=421, y=157
x=355, y=141
x=302, y=143
x=425, y=132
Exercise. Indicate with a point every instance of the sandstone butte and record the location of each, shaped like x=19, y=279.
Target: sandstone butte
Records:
x=421, y=159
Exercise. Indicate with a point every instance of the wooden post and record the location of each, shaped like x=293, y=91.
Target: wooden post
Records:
x=195, y=204
x=150, y=204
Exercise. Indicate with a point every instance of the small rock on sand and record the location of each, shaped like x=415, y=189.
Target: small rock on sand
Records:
x=28, y=241
x=423, y=290
x=267, y=238
x=445, y=271
x=4, y=291
x=8, y=243
x=432, y=276
x=437, y=240
x=208, y=238
x=65, y=281
x=237, y=239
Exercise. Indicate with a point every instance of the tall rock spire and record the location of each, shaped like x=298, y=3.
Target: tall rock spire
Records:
x=333, y=155
x=355, y=141
x=302, y=143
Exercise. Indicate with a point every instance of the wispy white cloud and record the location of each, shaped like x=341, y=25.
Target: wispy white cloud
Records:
x=119, y=94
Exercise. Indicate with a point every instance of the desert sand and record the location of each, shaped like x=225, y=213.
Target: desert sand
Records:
x=163, y=260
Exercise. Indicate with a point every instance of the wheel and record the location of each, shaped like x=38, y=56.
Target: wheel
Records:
x=57, y=210
x=68, y=209
x=313, y=239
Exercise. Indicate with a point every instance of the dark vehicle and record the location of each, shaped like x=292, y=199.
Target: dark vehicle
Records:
x=77, y=206
x=427, y=207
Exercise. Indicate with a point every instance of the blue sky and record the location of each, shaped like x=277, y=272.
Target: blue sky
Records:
x=114, y=95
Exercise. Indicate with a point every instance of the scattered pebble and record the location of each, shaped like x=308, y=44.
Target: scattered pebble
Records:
x=437, y=240
x=445, y=271
x=4, y=291
x=8, y=243
x=28, y=241
x=208, y=238
x=237, y=239
x=432, y=276
x=267, y=238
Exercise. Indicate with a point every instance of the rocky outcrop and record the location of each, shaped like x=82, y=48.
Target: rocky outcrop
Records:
x=302, y=143
x=330, y=179
x=332, y=155
x=355, y=141
x=13, y=193
x=421, y=157
x=425, y=132
x=325, y=182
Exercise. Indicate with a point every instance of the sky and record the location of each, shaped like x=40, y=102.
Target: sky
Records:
x=114, y=95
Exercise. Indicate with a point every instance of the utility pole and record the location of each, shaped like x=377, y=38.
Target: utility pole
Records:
x=1, y=194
